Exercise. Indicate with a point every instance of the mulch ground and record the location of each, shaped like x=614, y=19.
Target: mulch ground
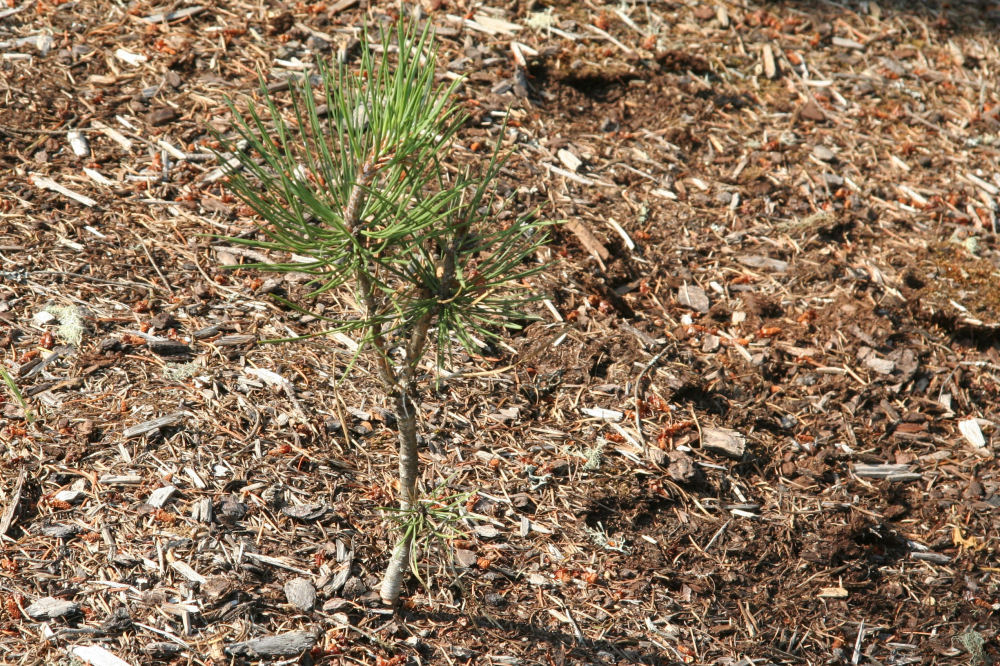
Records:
x=754, y=422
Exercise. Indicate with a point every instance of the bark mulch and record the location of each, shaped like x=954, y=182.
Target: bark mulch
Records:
x=755, y=420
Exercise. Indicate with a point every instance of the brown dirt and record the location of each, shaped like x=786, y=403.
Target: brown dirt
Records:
x=850, y=266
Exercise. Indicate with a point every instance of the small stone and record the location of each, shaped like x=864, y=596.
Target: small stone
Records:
x=301, y=594
x=681, y=468
x=523, y=503
x=704, y=12
x=725, y=441
x=973, y=491
x=694, y=298
x=569, y=159
x=465, y=558
x=335, y=604
x=710, y=343
x=880, y=365
x=760, y=261
x=539, y=580
x=163, y=321
x=487, y=531
x=162, y=116
x=354, y=588
x=216, y=588
x=231, y=510
x=824, y=154
x=811, y=111
x=656, y=456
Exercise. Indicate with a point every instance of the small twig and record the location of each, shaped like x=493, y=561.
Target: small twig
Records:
x=635, y=396
x=149, y=256
x=716, y=535
x=23, y=130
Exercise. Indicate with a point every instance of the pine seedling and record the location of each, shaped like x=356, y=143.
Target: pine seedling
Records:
x=351, y=176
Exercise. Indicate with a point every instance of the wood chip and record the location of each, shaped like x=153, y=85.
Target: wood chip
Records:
x=889, y=472
x=588, y=239
x=12, y=508
x=972, y=432
x=176, y=15
x=154, y=424
x=95, y=655
x=301, y=593
x=49, y=184
x=159, y=497
x=184, y=569
x=603, y=414
x=769, y=64
x=49, y=608
x=289, y=644
x=760, y=261
x=725, y=441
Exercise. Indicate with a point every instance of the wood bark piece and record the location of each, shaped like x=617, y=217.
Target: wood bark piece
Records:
x=153, y=424
x=301, y=593
x=725, y=441
x=278, y=645
x=49, y=608
x=49, y=184
x=972, y=432
x=159, y=497
x=95, y=655
x=889, y=472
x=14, y=501
x=176, y=15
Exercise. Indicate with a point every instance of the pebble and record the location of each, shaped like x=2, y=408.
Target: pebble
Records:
x=824, y=154
x=811, y=111
x=694, y=298
x=162, y=116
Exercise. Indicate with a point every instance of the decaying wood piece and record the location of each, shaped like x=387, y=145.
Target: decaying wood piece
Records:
x=288, y=644
x=13, y=503
x=889, y=472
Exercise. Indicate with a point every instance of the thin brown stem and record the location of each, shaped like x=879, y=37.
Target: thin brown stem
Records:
x=352, y=222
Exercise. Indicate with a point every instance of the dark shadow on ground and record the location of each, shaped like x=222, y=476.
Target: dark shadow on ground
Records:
x=565, y=648
x=971, y=16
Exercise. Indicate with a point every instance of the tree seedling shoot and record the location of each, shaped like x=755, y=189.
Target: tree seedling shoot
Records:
x=351, y=175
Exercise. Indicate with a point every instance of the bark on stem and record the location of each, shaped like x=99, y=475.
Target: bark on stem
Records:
x=406, y=421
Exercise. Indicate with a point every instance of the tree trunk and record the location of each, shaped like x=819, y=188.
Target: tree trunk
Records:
x=406, y=420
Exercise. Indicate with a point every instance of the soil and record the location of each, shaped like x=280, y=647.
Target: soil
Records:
x=803, y=262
